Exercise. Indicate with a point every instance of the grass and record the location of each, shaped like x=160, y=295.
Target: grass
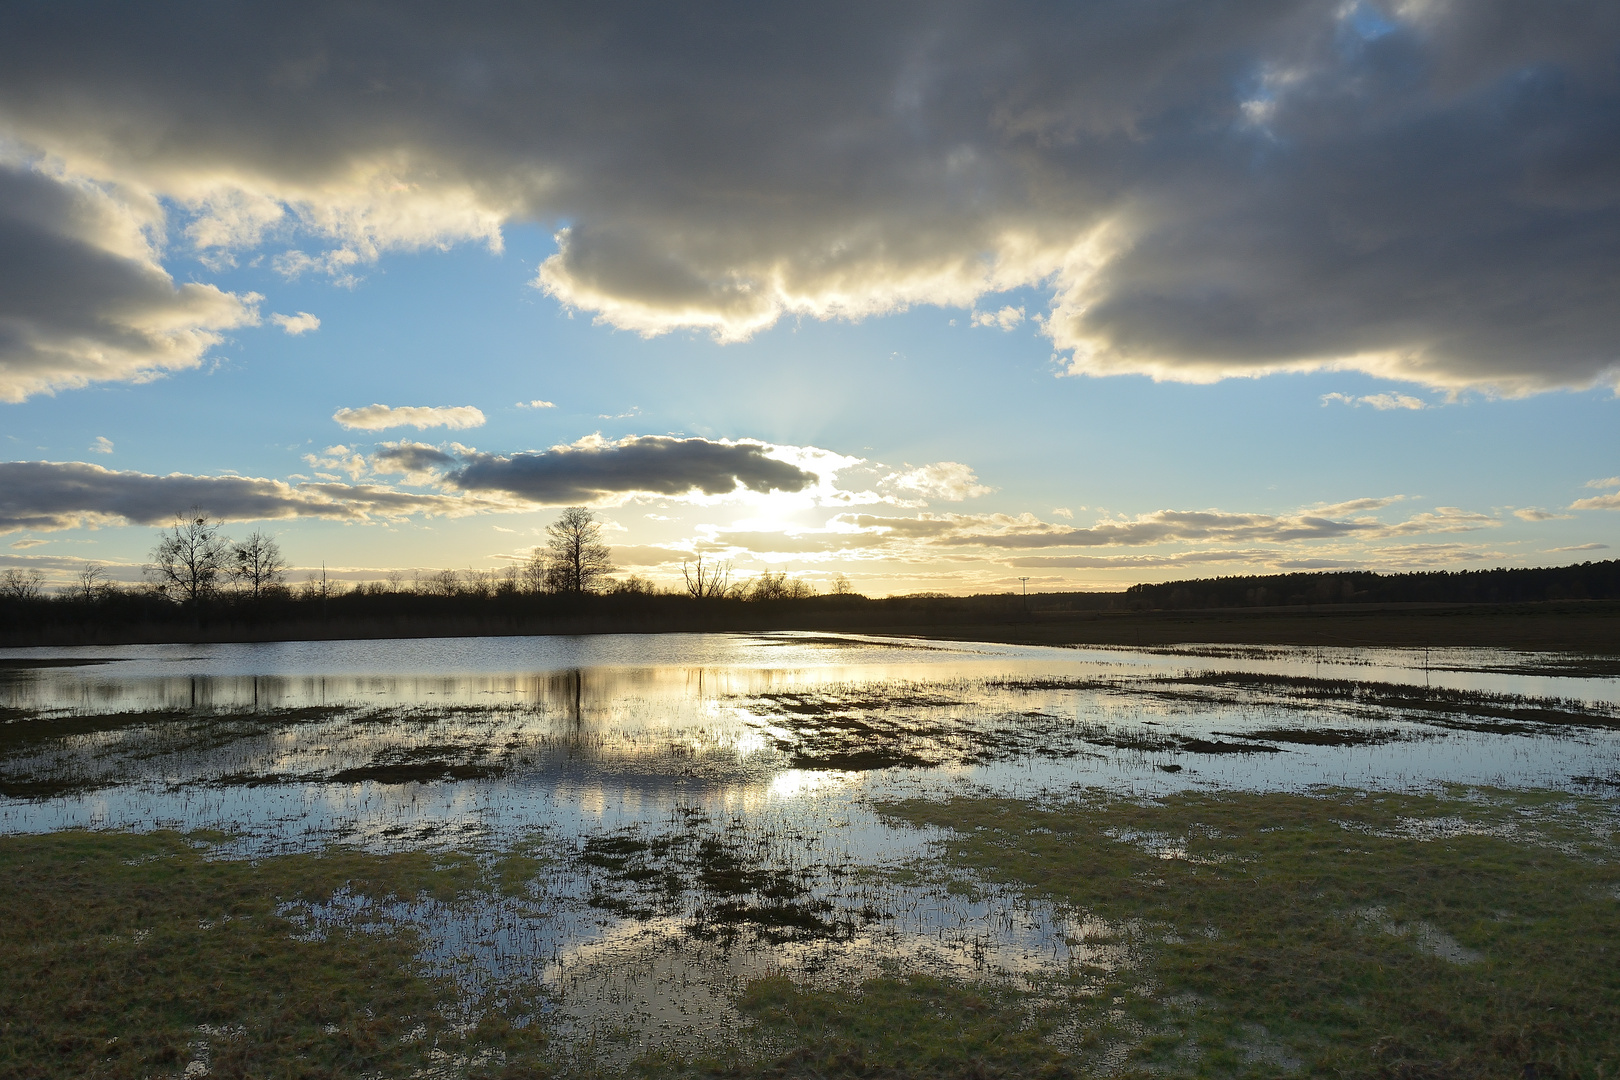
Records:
x=124, y=954
x=1322, y=932
x=1338, y=934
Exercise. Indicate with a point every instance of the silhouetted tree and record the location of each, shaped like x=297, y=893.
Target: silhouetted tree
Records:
x=190, y=558
x=90, y=584
x=706, y=582
x=777, y=586
x=22, y=584
x=576, y=560
x=256, y=564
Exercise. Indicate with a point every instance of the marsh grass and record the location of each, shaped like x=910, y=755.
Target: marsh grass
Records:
x=135, y=955
x=1323, y=931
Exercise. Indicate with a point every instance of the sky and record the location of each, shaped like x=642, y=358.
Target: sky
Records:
x=943, y=297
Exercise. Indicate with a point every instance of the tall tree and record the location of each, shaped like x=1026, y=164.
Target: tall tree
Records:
x=190, y=558
x=256, y=563
x=576, y=559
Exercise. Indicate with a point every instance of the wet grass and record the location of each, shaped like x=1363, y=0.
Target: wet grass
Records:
x=136, y=955
x=1323, y=934
x=1517, y=709
x=726, y=881
x=1343, y=934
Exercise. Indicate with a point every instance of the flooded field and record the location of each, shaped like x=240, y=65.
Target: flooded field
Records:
x=662, y=844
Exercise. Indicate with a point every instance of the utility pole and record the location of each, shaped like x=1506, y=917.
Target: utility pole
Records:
x=1025, y=580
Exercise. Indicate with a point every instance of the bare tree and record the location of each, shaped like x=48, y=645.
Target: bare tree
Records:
x=190, y=558
x=535, y=576
x=22, y=584
x=442, y=583
x=777, y=586
x=576, y=559
x=707, y=582
x=841, y=585
x=90, y=583
x=634, y=585
x=256, y=564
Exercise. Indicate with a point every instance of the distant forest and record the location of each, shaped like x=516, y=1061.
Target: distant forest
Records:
x=546, y=601
x=1586, y=581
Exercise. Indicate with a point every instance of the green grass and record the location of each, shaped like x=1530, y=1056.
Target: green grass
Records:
x=117, y=949
x=1301, y=930
x=1284, y=934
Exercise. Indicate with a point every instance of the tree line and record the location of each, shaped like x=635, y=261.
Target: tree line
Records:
x=1508, y=585
x=195, y=566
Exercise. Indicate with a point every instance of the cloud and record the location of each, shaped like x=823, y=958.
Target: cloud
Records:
x=412, y=459
x=82, y=296
x=1606, y=482
x=1138, y=562
x=50, y=495
x=1382, y=402
x=382, y=417
x=1582, y=547
x=1536, y=513
x=102, y=445
x=537, y=404
x=301, y=323
x=1207, y=192
x=596, y=470
x=27, y=542
x=1006, y=319
x=1597, y=502
x=339, y=459
x=950, y=481
x=1166, y=526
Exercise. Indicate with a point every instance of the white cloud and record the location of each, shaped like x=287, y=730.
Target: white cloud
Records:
x=1597, y=502
x=537, y=404
x=1606, y=482
x=951, y=481
x=301, y=323
x=1582, y=547
x=382, y=417
x=1007, y=318
x=102, y=445
x=339, y=459
x=1536, y=513
x=1383, y=402
x=1065, y=513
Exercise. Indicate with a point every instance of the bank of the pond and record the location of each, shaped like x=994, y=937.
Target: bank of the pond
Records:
x=1589, y=627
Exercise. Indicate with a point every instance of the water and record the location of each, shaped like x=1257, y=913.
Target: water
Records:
x=707, y=807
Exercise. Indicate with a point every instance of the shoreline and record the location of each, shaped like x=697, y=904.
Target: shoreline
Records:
x=1586, y=627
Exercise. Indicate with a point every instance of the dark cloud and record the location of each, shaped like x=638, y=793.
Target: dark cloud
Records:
x=81, y=296
x=1429, y=192
x=48, y=495
x=596, y=470
x=412, y=459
